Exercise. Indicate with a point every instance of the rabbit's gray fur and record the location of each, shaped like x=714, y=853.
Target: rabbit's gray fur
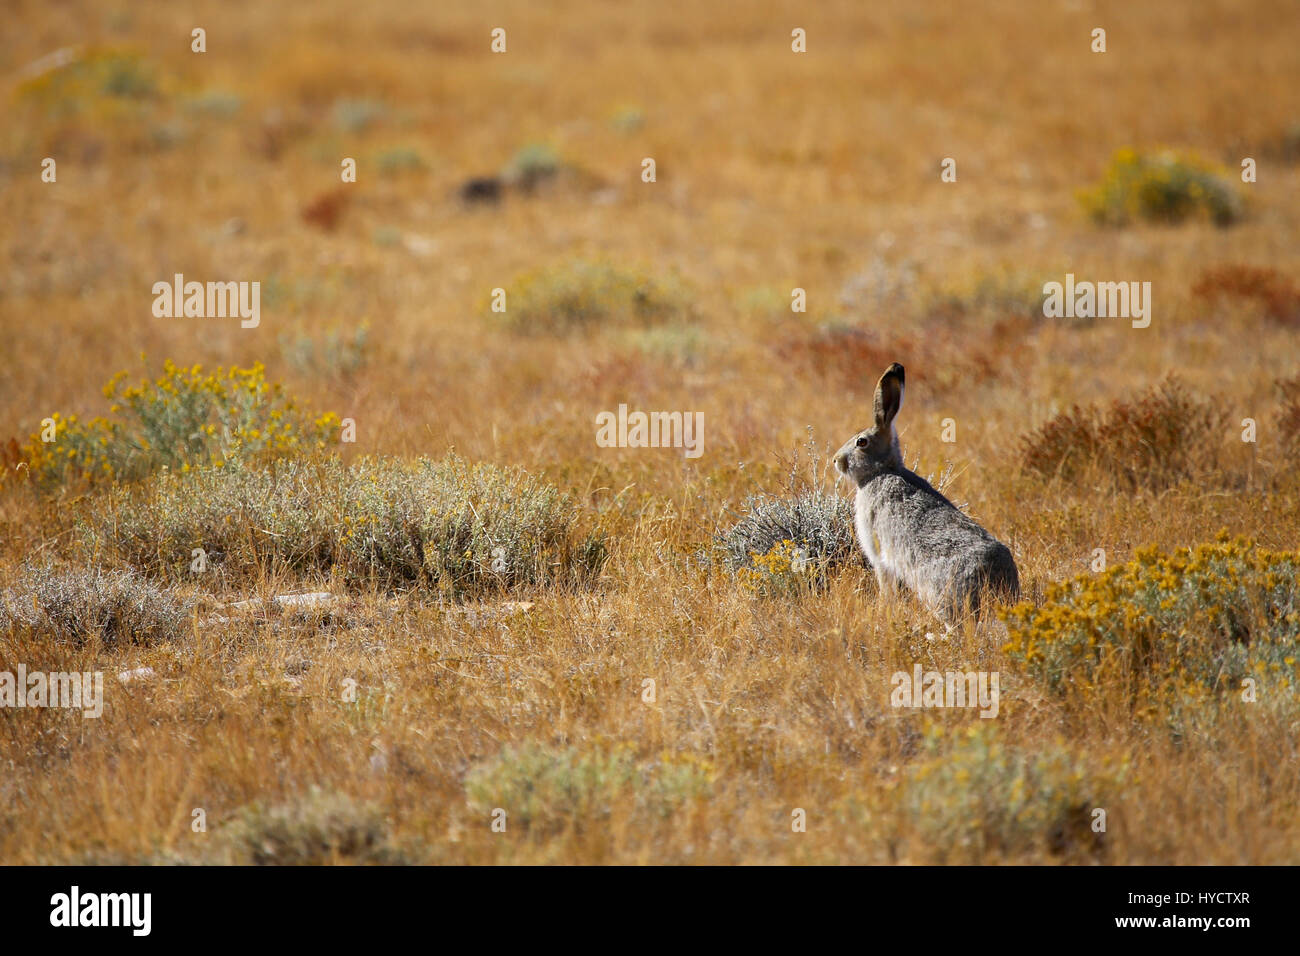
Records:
x=911, y=533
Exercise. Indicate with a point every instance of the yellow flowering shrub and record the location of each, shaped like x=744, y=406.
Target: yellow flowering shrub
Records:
x=185, y=418
x=1166, y=187
x=787, y=567
x=1169, y=626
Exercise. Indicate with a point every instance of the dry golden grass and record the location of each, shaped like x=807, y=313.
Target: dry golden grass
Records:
x=775, y=170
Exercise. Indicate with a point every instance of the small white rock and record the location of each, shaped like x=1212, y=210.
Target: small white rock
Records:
x=284, y=601
x=421, y=246
x=314, y=599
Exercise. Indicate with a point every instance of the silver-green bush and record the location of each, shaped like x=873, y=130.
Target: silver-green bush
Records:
x=79, y=605
x=317, y=828
x=458, y=527
x=817, y=523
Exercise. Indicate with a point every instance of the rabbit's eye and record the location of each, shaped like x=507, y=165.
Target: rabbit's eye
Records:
x=862, y=441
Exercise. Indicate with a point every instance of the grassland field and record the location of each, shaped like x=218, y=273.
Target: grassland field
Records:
x=522, y=620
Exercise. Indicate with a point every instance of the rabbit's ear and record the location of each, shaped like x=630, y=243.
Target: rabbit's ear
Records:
x=889, y=396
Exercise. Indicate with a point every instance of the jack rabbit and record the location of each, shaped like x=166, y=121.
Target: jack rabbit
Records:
x=911, y=533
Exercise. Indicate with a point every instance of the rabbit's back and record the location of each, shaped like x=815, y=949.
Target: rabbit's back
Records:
x=918, y=537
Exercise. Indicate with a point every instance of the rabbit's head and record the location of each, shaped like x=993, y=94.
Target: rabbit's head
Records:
x=875, y=450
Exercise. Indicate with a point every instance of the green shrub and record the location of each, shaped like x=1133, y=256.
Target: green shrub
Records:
x=584, y=295
x=768, y=302
x=458, y=527
x=78, y=605
x=336, y=352
x=316, y=829
x=91, y=77
x=627, y=119
x=1164, y=188
x=532, y=165
x=674, y=344
x=400, y=159
x=1286, y=145
x=549, y=790
x=216, y=103
x=356, y=116
x=980, y=797
x=998, y=295
x=184, y=419
x=1192, y=624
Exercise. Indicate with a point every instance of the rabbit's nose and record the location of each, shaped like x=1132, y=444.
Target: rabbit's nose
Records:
x=841, y=462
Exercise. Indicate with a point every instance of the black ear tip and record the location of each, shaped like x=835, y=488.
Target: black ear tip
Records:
x=895, y=369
